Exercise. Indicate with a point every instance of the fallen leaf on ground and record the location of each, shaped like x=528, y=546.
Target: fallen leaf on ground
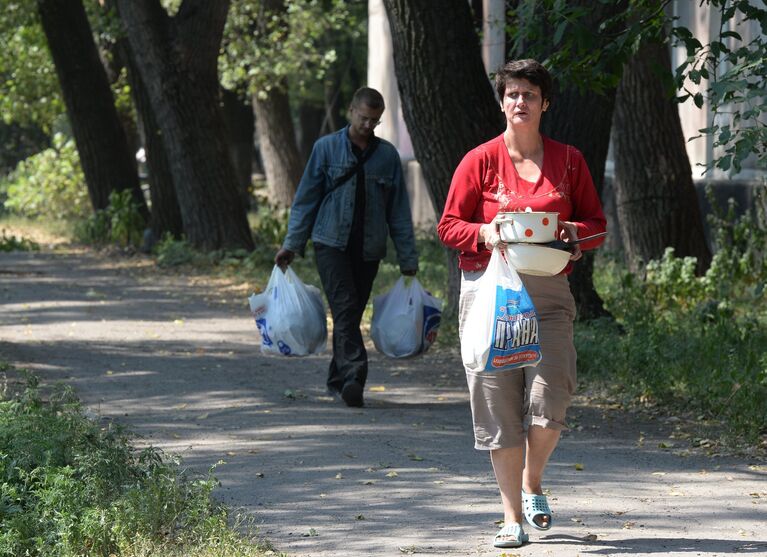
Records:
x=339, y=476
x=578, y=466
x=377, y=389
x=415, y=457
x=180, y=406
x=392, y=474
x=589, y=538
x=628, y=525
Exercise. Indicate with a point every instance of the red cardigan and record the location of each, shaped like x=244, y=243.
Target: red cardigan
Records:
x=486, y=182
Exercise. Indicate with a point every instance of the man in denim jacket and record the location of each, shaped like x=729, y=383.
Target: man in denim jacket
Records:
x=348, y=214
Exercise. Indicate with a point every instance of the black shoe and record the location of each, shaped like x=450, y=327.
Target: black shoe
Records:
x=335, y=393
x=352, y=394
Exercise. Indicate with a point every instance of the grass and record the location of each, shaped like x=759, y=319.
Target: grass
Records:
x=70, y=487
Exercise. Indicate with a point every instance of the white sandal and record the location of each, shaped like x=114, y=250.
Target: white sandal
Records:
x=511, y=535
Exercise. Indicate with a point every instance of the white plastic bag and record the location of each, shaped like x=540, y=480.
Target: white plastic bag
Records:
x=405, y=320
x=501, y=327
x=290, y=316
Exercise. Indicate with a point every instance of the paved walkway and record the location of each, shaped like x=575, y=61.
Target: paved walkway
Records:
x=398, y=477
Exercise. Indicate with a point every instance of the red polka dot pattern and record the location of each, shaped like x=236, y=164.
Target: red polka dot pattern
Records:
x=545, y=221
x=528, y=232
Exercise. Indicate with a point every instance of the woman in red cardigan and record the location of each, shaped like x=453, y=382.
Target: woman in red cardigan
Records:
x=519, y=414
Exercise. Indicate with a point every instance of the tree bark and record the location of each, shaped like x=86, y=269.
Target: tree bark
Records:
x=655, y=196
x=240, y=127
x=277, y=141
x=584, y=120
x=165, y=211
x=106, y=158
x=447, y=100
x=177, y=61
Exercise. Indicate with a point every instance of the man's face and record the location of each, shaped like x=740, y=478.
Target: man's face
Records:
x=364, y=119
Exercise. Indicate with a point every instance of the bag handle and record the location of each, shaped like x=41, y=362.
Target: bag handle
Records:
x=359, y=164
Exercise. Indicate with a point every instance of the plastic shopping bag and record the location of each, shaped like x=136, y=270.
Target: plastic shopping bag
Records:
x=501, y=328
x=290, y=316
x=405, y=320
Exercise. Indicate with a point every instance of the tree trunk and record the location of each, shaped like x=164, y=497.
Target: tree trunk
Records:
x=310, y=120
x=584, y=120
x=447, y=101
x=177, y=59
x=240, y=126
x=166, y=213
x=655, y=196
x=277, y=142
x=105, y=156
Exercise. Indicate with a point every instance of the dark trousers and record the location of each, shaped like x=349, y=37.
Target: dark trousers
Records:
x=347, y=281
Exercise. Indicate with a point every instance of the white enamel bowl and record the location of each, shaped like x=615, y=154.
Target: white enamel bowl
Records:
x=530, y=226
x=530, y=259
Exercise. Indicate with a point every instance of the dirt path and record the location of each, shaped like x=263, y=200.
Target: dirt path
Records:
x=396, y=477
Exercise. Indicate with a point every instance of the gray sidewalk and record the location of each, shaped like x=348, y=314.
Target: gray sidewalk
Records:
x=398, y=477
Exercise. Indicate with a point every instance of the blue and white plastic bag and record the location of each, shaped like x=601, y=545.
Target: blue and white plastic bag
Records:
x=501, y=327
x=290, y=316
x=405, y=320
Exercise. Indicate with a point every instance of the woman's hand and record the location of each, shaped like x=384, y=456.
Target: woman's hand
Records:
x=569, y=232
x=488, y=233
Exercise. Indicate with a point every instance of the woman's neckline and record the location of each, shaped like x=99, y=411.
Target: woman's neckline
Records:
x=516, y=173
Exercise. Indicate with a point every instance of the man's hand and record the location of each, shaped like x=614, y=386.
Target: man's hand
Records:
x=409, y=272
x=284, y=258
x=569, y=232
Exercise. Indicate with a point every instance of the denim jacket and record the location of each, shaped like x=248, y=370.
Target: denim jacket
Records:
x=325, y=211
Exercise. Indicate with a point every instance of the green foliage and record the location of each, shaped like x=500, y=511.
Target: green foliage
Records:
x=30, y=89
x=172, y=253
x=49, y=184
x=562, y=36
x=692, y=343
x=69, y=487
x=120, y=223
x=9, y=242
x=730, y=75
x=262, y=47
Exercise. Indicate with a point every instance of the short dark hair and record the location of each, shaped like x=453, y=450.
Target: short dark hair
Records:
x=369, y=97
x=529, y=69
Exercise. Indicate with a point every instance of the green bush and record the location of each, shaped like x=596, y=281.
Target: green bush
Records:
x=172, y=253
x=69, y=487
x=690, y=343
x=49, y=184
x=9, y=242
x=120, y=223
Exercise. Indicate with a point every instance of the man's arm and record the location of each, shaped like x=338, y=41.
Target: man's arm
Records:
x=400, y=222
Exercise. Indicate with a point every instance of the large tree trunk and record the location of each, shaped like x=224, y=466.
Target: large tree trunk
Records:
x=447, y=101
x=655, y=196
x=584, y=120
x=277, y=142
x=165, y=213
x=177, y=60
x=240, y=127
x=106, y=158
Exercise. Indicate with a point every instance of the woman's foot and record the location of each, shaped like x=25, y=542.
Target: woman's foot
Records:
x=511, y=535
x=536, y=509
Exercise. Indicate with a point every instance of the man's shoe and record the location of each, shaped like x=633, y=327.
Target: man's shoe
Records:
x=352, y=394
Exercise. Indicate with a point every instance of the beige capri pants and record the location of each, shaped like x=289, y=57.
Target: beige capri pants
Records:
x=505, y=403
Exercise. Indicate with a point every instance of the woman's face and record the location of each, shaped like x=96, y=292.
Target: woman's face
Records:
x=523, y=104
